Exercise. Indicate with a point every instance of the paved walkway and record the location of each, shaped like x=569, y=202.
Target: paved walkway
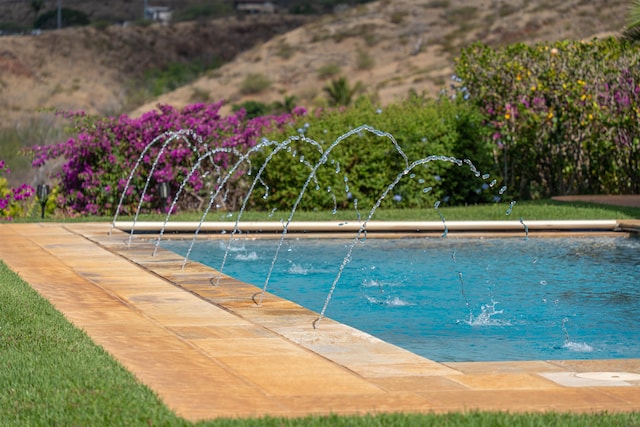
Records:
x=209, y=351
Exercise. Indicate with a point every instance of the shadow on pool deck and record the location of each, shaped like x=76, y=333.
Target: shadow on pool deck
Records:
x=209, y=351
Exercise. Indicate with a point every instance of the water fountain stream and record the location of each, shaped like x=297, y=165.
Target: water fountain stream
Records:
x=285, y=146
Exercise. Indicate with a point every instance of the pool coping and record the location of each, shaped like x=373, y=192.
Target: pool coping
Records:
x=209, y=351
x=486, y=227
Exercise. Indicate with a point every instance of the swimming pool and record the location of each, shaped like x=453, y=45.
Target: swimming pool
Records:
x=457, y=299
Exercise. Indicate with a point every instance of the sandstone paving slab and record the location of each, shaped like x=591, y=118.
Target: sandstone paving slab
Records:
x=604, y=365
x=298, y=374
x=252, y=346
x=511, y=381
x=220, y=332
x=135, y=342
x=362, y=404
x=417, y=384
x=505, y=367
x=585, y=400
x=626, y=394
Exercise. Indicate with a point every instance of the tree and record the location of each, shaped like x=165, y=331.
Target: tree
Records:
x=36, y=6
x=69, y=18
x=252, y=109
x=285, y=106
x=340, y=91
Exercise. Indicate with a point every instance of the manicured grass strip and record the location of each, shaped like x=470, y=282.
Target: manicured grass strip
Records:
x=530, y=210
x=52, y=374
x=467, y=419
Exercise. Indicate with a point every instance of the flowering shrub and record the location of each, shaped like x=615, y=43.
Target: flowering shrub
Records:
x=13, y=201
x=565, y=117
x=162, y=146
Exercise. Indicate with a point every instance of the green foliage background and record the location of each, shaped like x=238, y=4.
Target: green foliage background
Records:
x=362, y=165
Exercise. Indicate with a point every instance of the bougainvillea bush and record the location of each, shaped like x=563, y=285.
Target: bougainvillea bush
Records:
x=13, y=201
x=165, y=146
x=564, y=116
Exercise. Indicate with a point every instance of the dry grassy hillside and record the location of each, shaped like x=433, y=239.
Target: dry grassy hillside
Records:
x=393, y=46
x=93, y=69
x=390, y=46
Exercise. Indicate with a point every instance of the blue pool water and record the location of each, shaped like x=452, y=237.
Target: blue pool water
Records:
x=457, y=299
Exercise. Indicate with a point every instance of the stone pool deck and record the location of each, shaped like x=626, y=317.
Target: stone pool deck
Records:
x=209, y=351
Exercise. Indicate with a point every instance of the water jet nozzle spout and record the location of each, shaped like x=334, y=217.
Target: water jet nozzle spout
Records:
x=255, y=301
x=163, y=193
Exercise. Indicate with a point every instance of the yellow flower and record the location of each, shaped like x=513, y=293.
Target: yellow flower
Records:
x=507, y=116
x=583, y=97
x=590, y=116
x=550, y=115
x=533, y=88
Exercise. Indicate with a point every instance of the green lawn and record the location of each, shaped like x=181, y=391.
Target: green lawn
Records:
x=531, y=210
x=52, y=374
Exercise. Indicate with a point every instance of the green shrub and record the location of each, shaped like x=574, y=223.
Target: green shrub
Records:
x=438, y=4
x=174, y=75
x=460, y=14
x=340, y=92
x=362, y=165
x=254, y=83
x=252, y=108
x=284, y=50
x=328, y=70
x=10, y=27
x=212, y=9
x=397, y=17
x=68, y=18
x=255, y=109
x=200, y=95
x=364, y=60
x=287, y=105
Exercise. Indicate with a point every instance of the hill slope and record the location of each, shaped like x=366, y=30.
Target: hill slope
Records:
x=390, y=46
x=394, y=46
x=96, y=69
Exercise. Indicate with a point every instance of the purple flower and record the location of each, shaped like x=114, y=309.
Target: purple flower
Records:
x=165, y=143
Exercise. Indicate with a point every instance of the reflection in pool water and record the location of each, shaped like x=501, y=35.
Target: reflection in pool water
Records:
x=457, y=299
